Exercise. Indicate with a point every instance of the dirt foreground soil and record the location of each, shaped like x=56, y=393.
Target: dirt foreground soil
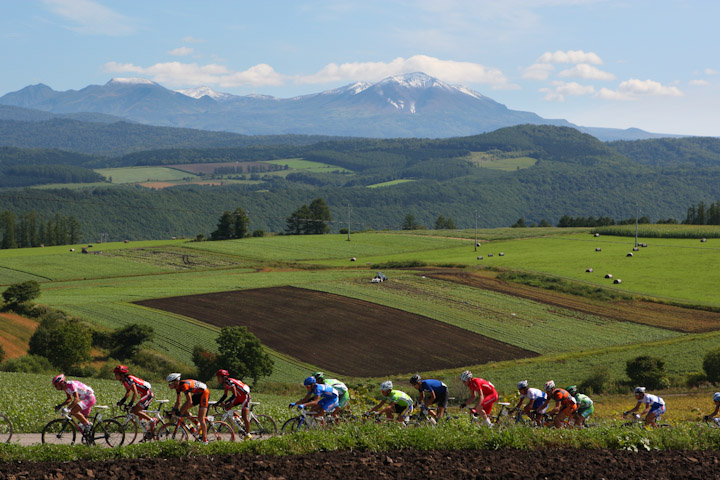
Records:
x=499, y=464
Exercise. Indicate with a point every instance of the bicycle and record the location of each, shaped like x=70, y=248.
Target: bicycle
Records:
x=307, y=420
x=63, y=430
x=712, y=422
x=260, y=425
x=133, y=425
x=636, y=420
x=179, y=429
x=6, y=429
x=500, y=418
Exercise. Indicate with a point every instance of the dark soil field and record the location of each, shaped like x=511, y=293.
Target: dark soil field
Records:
x=497, y=464
x=362, y=339
x=648, y=313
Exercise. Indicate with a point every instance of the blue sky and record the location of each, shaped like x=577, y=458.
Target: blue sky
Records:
x=604, y=63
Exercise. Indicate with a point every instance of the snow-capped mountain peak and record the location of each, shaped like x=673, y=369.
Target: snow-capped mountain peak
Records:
x=203, y=91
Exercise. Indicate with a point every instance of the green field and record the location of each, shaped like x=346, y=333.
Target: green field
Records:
x=143, y=174
x=501, y=162
x=390, y=183
x=307, y=165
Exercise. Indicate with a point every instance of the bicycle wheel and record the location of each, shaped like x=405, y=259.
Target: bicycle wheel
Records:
x=220, y=432
x=59, y=432
x=171, y=431
x=262, y=426
x=6, y=429
x=293, y=425
x=130, y=426
x=109, y=431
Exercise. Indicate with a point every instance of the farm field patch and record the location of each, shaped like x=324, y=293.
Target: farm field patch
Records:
x=209, y=168
x=310, y=166
x=15, y=333
x=141, y=174
x=362, y=339
x=390, y=183
x=501, y=162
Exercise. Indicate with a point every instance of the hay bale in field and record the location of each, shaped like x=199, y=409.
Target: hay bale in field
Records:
x=477, y=244
x=598, y=249
x=703, y=240
x=617, y=280
x=490, y=254
x=501, y=254
x=635, y=249
x=589, y=270
x=597, y=234
x=72, y=249
x=629, y=254
x=353, y=259
x=644, y=245
x=608, y=275
x=480, y=258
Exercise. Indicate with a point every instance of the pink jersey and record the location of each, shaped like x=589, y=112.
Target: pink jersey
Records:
x=83, y=391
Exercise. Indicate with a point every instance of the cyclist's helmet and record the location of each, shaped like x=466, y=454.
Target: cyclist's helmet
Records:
x=310, y=381
x=466, y=375
x=173, y=377
x=522, y=384
x=222, y=373
x=385, y=386
x=415, y=379
x=639, y=390
x=319, y=376
x=716, y=397
x=58, y=379
x=121, y=369
x=572, y=390
x=550, y=386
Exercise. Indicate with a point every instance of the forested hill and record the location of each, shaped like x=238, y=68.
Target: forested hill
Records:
x=563, y=172
x=700, y=151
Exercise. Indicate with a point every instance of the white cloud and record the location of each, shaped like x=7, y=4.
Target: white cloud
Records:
x=181, y=51
x=192, y=74
x=91, y=18
x=573, y=88
x=446, y=70
x=571, y=56
x=552, y=96
x=710, y=71
x=586, y=71
x=538, y=71
x=191, y=39
x=699, y=83
x=634, y=88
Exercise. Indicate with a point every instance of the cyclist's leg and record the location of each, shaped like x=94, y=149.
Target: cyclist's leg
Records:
x=202, y=413
x=81, y=410
x=141, y=406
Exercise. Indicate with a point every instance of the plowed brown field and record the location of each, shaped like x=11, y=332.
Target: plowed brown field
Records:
x=485, y=464
x=358, y=338
x=648, y=313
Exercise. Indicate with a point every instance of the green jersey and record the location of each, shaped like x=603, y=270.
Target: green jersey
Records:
x=337, y=385
x=583, y=401
x=399, y=398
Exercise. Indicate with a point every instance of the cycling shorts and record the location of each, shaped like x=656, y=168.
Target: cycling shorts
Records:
x=568, y=410
x=343, y=399
x=488, y=401
x=657, y=410
x=241, y=401
x=405, y=411
x=441, y=398
x=537, y=404
x=328, y=404
x=145, y=401
x=202, y=399
x=86, y=405
x=586, y=412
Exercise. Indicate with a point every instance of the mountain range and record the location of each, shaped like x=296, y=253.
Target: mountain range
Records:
x=413, y=105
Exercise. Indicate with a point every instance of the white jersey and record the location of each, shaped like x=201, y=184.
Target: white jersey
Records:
x=533, y=394
x=83, y=391
x=652, y=400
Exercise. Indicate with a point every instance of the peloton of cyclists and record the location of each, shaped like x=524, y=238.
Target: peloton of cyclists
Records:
x=196, y=393
x=565, y=404
x=431, y=392
x=536, y=398
x=398, y=402
x=325, y=398
x=80, y=399
x=239, y=397
x=139, y=388
x=585, y=407
x=654, y=406
x=340, y=387
x=485, y=393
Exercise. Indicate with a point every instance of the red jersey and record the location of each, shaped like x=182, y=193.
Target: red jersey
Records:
x=238, y=385
x=141, y=385
x=477, y=384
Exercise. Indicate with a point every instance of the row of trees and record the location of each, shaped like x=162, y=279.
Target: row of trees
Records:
x=703, y=215
x=310, y=219
x=32, y=230
x=441, y=223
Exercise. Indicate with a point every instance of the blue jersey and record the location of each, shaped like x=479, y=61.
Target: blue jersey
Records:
x=433, y=385
x=324, y=391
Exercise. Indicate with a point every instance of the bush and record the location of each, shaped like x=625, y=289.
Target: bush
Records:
x=65, y=342
x=18, y=293
x=598, y=382
x=258, y=233
x=647, y=371
x=2, y=353
x=28, y=364
x=711, y=365
x=695, y=379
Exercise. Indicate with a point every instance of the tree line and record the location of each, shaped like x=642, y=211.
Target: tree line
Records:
x=30, y=229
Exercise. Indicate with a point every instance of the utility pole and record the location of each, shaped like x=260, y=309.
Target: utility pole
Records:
x=637, y=214
x=348, y=217
x=476, y=230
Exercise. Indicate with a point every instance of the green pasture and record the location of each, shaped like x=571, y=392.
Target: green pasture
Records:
x=307, y=165
x=390, y=183
x=142, y=174
x=501, y=162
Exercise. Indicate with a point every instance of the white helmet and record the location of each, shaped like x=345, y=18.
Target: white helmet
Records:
x=550, y=386
x=716, y=397
x=466, y=375
x=639, y=390
x=173, y=377
x=386, y=385
x=522, y=384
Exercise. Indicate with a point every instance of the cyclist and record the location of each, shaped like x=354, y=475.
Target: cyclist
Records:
x=431, y=391
x=716, y=399
x=585, y=408
x=196, y=393
x=342, y=389
x=139, y=388
x=80, y=399
x=239, y=395
x=536, y=398
x=654, y=406
x=398, y=402
x=565, y=404
x=485, y=393
x=326, y=397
